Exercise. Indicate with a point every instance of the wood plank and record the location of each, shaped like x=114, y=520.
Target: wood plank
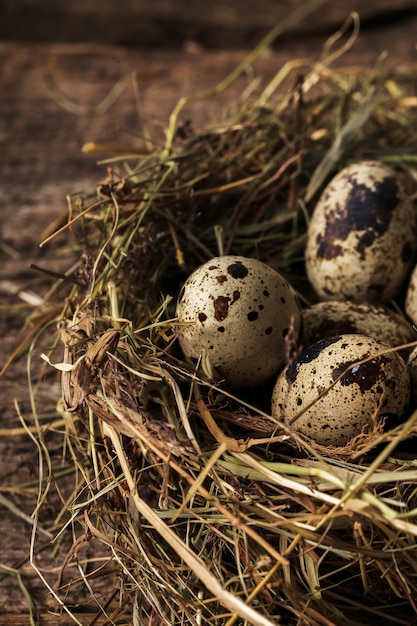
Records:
x=42, y=138
x=214, y=24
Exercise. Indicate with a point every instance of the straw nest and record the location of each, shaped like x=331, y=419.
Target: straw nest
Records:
x=201, y=506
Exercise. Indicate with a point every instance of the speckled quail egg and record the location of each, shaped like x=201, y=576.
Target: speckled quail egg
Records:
x=411, y=297
x=338, y=386
x=362, y=236
x=236, y=312
x=326, y=319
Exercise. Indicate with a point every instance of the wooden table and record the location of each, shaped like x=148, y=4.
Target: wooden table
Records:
x=53, y=94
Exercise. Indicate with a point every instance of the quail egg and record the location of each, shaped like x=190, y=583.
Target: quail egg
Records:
x=235, y=312
x=339, y=386
x=411, y=297
x=326, y=319
x=362, y=236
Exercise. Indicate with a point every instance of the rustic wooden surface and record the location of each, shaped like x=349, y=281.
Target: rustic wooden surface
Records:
x=49, y=97
x=163, y=24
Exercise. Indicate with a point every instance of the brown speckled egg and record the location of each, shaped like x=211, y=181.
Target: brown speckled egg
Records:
x=326, y=319
x=236, y=312
x=356, y=392
x=362, y=236
x=411, y=297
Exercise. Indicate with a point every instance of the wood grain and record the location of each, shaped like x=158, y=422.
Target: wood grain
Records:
x=164, y=24
x=51, y=97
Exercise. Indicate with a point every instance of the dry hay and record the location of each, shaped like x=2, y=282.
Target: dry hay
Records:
x=206, y=510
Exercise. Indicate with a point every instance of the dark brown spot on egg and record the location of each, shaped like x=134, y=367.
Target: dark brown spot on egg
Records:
x=268, y=330
x=236, y=296
x=366, y=375
x=307, y=356
x=365, y=241
x=237, y=270
x=221, y=308
x=202, y=317
x=253, y=316
x=366, y=210
x=368, y=207
x=220, y=329
x=221, y=279
x=326, y=248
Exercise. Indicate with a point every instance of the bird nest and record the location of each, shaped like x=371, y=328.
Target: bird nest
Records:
x=186, y=497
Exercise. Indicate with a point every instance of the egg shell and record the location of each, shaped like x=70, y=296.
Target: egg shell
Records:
x=329, y=395
x=362, y=236
x=326, y=319
x=236, y=312
x=411, y=297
